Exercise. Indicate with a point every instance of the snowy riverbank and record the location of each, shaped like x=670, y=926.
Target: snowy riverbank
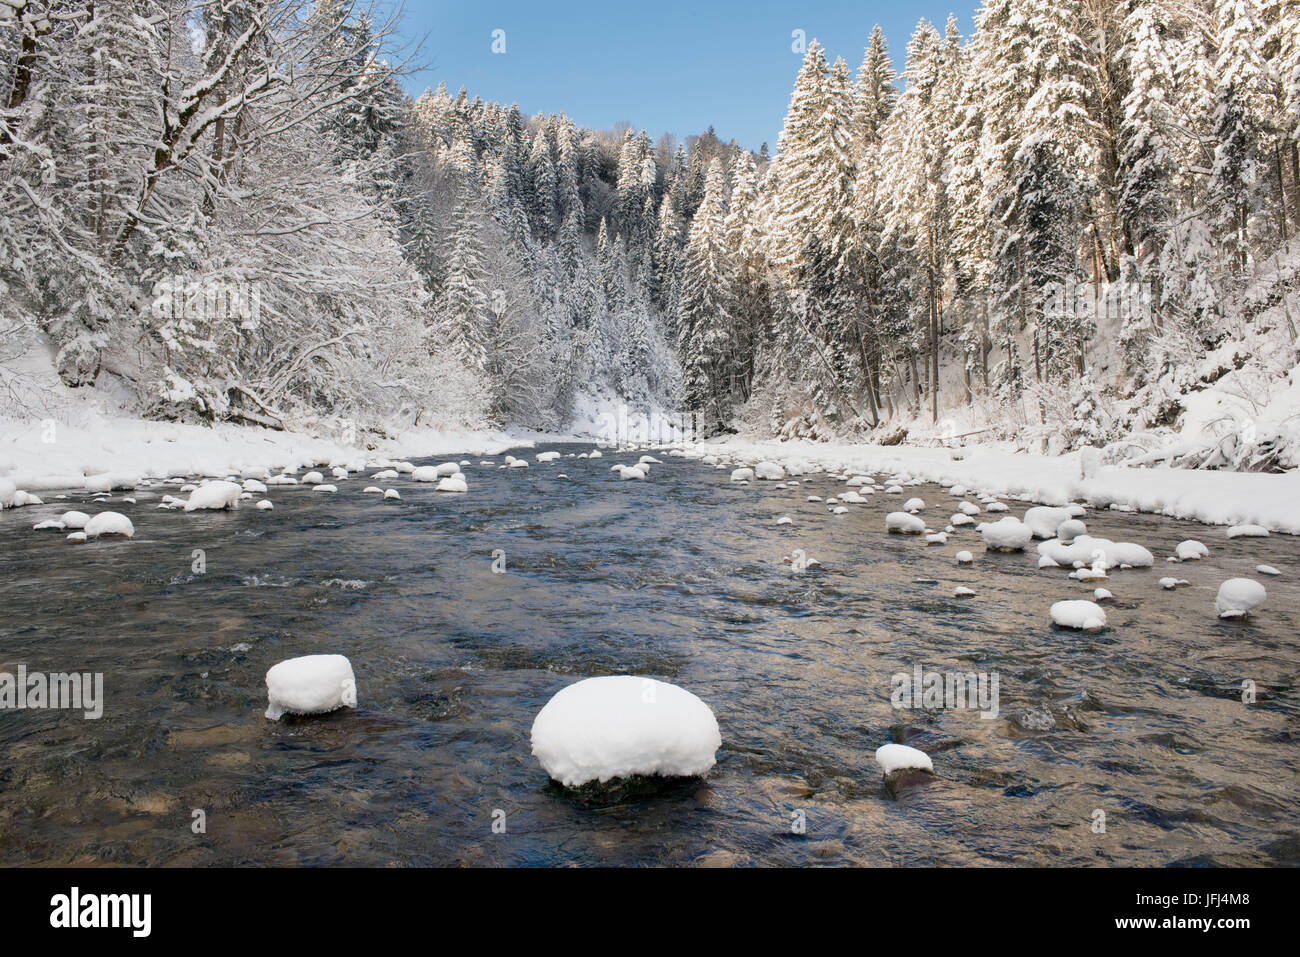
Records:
x=37, y=456
x=1215, y=498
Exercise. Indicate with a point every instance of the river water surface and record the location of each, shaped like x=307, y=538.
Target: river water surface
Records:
x=679, y=577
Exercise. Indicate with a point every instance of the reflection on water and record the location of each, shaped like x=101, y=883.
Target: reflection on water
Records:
x=679, y=577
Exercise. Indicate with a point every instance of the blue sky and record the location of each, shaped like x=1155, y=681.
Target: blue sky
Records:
x=663, y=65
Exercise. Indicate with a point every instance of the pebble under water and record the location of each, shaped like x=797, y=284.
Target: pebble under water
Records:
x=679, y=577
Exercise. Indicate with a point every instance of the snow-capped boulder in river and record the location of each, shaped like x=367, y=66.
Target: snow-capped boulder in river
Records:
x=1069, y=530
x=74, y=519
x=7, y=493
x=1238, y=597
x=109, y=523
x=615, y=727
x=453, y=483
x=769, y=471
x=742, y=475
x=312, y=684
x=900, y=757
x=1044, y=520
x=964, y=558
x=1084, y=615
x=426, y=473
x=1190, y=551
x=904, y=523
x=1099, y=552
x=215, y=495
x=631, y=473
x=1007, y=534
x=914, y=505
x=311, y=478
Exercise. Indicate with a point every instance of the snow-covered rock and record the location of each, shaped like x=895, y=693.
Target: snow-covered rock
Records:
x=214, y=495
x=325, y=488
x=1007, y=534
x=1085, y=615
x=1101, y=594
x=426, y=473
x=453, y=483
x=769, y=471
x=904, y=523
x=1088, y=550
x=372, y=490
x=1267, y=570
x=311, y=478
x=914, y=505
x=1238, y=597
x=109, y=523
x=392, y=493
x=961, y=591
x=742, y=475
x=265, y=505
x=312, y=684
x=900, y=757
x=74, y=519
x=1190, y=550
x=1069, y=530
x=1044, y=520
x=964, y=558
x=547, y=456
x=253, y=485
x=1247, y=531
x=615, y=727
x=785, y=520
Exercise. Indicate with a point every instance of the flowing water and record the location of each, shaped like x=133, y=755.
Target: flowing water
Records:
x=679, y=577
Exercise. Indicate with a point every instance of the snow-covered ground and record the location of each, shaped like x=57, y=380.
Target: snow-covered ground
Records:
x=37, y=455
x=1213, y=497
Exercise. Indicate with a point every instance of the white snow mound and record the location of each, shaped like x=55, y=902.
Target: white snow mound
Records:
x=1238, y=597
x=613, y=727
x=215, y=495
x=900, y=757
x=109, y=523
x=312, y=684
x=1007, y=534
x=1086, y=615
